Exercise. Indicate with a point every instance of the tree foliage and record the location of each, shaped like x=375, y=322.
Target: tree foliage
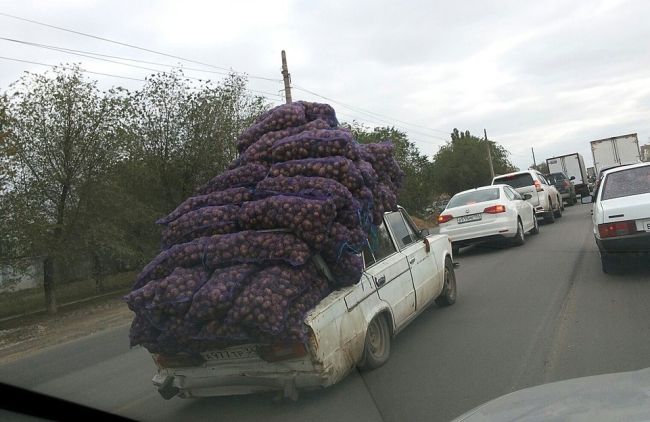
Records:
x=463, y=163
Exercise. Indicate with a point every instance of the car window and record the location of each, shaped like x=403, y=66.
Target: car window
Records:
x=516, y=194
x=509, y=193
x=403, y=235
x=474, y=197
x=634, y=181
x=379, y=246
x=516, y=180
x=555, y=177
x=543, y=180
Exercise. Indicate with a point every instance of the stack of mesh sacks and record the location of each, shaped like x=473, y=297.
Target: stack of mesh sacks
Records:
x=236, y=262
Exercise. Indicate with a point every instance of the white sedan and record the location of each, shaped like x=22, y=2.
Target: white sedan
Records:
x=621, y=213
x=488, y=213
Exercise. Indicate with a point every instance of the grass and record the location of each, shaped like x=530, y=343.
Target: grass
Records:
x=30, y=300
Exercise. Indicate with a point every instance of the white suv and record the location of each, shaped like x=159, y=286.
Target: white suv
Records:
x=544, y=197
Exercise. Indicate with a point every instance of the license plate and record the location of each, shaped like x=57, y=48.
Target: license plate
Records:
x=468, y=218
x=646, y=225
x=245, y=352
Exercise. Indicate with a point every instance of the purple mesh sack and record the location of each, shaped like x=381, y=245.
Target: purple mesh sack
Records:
x=347, y=270
x=142, y=331
x=295, y=329
x=260, y=151
x=247, y=175
x=369, y=174
x=232, y=196
x=281, y=117
x=215, y=298
x=315, y=144
x=308, y=187
x=202, y=222
x=310, y=219
x=319, y=111
x=340, y=169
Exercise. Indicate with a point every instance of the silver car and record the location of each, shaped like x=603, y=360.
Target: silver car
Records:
x=544, y=197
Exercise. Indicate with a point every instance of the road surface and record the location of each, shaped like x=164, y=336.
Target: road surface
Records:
x=524, y=316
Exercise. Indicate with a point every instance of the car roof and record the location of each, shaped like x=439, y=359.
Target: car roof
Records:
x=500, y=185
x=623, y=167
x=515, y=173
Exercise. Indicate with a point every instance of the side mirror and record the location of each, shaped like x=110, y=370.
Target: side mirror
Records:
x=424, y=232
x=527, y=196
x=572, y=178
x=586, y=199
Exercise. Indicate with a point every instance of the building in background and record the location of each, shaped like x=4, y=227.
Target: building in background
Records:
x=645, y=152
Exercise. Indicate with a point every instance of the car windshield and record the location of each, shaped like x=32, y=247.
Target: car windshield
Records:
x=516, y=180
x=474, y=197
x=634, y=181
x=554, y=178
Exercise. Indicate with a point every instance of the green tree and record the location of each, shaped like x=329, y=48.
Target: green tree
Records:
x=62, y=137
x=418, y=188
x=541, y=167
x=463, y=164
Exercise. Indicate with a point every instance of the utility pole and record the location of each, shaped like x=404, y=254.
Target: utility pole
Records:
x=489, y=153
x=287, y=78
x=534, y=162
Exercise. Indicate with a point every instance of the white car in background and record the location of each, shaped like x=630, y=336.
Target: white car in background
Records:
x=488, y=213
x=621, y=213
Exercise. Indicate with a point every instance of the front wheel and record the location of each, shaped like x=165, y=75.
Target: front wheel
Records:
x=377, y=345
x=448, y=295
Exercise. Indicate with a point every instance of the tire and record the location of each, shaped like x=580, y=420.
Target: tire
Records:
x=455, y=250
x=608, y=262
x=558, y=213
x=377, y=344
x=448, y=295
x=549, y=217
x=519, y=238
x=535, y=229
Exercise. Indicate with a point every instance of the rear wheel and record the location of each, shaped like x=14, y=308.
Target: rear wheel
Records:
x=558, y=212
x=377, y=344
x=535, y=229
x=549, y=217
x=519, y=239
x=448, y=295
x=608, y=262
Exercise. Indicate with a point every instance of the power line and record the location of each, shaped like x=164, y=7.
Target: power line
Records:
x=372, y=113
x=132, y=46
x=122, y=77
x=70, y=68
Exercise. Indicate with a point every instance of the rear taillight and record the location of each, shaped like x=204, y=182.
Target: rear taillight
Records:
x=177, y=361
x=538, y=186
x=619, y=228
x=495, y=209
x=283, y=351
x=444, y=218
x=566, y=184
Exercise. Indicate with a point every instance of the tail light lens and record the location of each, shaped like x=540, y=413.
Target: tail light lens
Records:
x=177, y=361
x=620, y=228
x=444, y=218
x=538, y=186
x=282, y=351
x=566, y=184
x=495, y=209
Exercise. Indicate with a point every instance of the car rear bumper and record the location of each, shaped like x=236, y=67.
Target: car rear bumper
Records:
x=497, y=229
x=634, y=243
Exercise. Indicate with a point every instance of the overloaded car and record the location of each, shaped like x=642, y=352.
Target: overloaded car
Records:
x=488, y=213
x=544, y=197
x=564, y=185
x=621, y=214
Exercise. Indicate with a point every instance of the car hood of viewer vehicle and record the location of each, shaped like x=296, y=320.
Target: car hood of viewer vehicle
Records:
x=610, y=397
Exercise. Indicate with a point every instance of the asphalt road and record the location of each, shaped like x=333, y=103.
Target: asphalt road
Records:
x=525, y=316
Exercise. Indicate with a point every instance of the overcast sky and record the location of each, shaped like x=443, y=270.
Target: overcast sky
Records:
x=552, y=75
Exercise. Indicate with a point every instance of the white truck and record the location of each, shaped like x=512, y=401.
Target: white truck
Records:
x=573, y=165
x=615, y=151
x=352, y=327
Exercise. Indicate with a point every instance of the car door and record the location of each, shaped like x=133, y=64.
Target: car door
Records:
x=423, y=266
x=389, y=270
x=523, y=207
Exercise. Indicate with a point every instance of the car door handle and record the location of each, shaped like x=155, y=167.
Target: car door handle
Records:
x=412, y=260
x=380, y=281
